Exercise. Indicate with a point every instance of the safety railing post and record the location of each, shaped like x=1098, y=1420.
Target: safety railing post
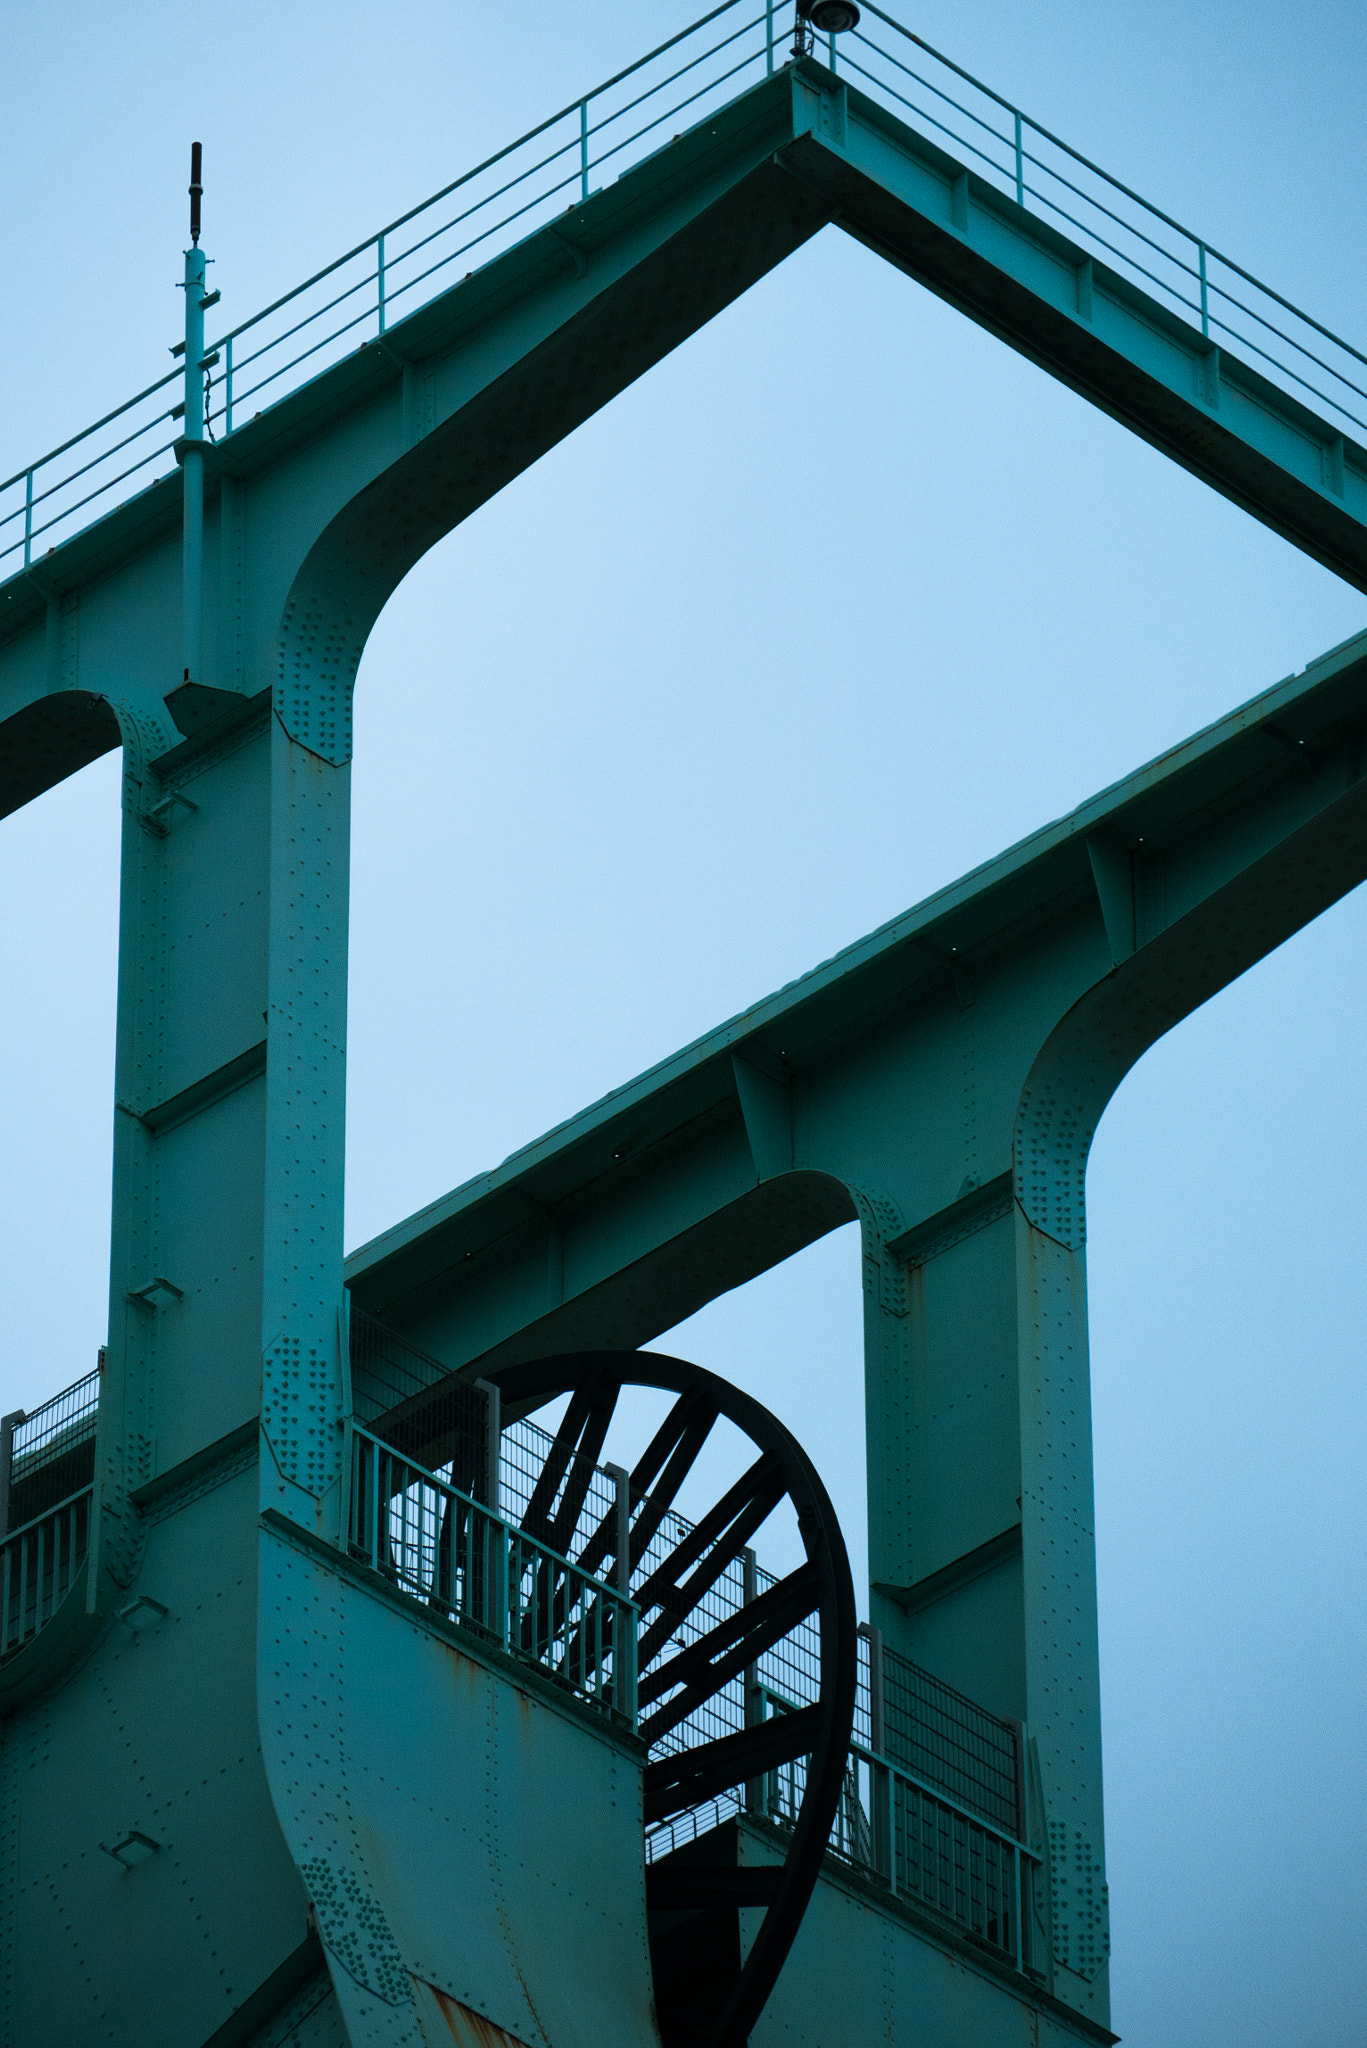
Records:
x=379, y=278
x=626, y=1657
x=1020, y=164
x=621, y=1487
x=753, y=1709
x=8, y=1423
x=1205, y=304
x=28, y=518
x=769, y=38
x=228, y=385
x=880, y=1785
x=584, y=148
x=493, y=1444
x=507, y=1577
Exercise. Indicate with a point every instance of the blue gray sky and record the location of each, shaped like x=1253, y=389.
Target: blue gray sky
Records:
x=838, y=601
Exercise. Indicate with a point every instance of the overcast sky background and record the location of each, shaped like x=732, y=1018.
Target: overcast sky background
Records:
x=838, y=601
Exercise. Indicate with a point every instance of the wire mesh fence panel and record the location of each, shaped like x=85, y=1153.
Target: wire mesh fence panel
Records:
x=417, y=1405
x=939, y=1735
x=524, y=1458
x=784, y=1677
x=946, y=1861
x=447, y=1550
x=52, y=1452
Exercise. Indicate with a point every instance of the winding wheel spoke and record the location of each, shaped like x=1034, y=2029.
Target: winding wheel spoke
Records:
x=694, y=1645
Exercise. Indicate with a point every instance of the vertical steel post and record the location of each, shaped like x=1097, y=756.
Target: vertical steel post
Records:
x=228, y=385
x=753, y=1706
x=1205, y=307
x=493, y=1442
x=192, y=467
x=345, y=1514
x=28, y=518
x=1020, y=165
x=769, y=38
x=8, y=1424
x=621, y=1481
x=624, y=1650
x=379, y=276
x=584, y=148
x=504, y=1580
x=880, y=1785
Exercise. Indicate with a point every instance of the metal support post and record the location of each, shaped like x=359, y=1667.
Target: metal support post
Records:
x=880, y=1780
x=1205, y=303
x=754, y=1706
x=1020, y=165
x=584, y=149
x=621, y=1480
x=379, y=277
x=8, y=1425
x=192, y=447
x=493, y=1444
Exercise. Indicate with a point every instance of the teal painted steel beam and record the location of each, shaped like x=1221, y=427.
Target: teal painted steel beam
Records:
x=1092, y=328
x=1245, y=831
x=223, y=1419
x=565, y=311
x=941, y=1082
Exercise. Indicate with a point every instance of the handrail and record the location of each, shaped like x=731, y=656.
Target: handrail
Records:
x=981, y=1877
x=946, y=1799
x=452, y=1552
x=1201, y=287
x=39, y=1564
x=1008, y=107
x=1199, y=255
x=58, y=1508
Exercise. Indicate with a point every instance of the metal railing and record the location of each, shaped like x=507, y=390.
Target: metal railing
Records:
x=359, y=296
x=912, y=1838
x=948, y=1741
x=48, y=1434
x=49, y=1454
x=39, y=1565
x=448, y=1550
x=353, y=301
x=1042, y=173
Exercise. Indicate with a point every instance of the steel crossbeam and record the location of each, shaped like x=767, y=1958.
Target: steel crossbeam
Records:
x=216, y=1575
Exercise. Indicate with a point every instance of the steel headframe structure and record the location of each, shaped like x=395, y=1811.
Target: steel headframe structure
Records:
x=253, y=1791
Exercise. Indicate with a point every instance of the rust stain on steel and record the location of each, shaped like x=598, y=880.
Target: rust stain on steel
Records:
x=471, y=2029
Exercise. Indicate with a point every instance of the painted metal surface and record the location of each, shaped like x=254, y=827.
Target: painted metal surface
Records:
x=271, y=1755
x=458, y=1834
x=689, y=1653
x=574, y=154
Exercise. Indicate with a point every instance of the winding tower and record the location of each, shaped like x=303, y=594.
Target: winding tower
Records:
x=350, y=1693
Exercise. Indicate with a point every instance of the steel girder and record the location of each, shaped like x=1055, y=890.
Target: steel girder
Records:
x=940, y=1082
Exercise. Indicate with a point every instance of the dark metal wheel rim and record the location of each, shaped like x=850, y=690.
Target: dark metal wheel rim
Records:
x=821, y=1732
